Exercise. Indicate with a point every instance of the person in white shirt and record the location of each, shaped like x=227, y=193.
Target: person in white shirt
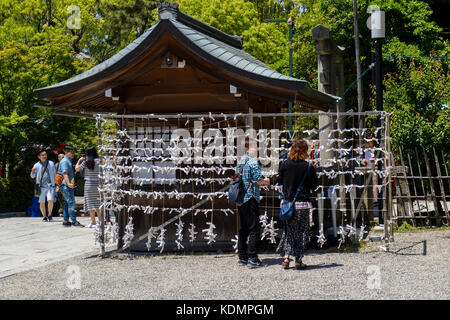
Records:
x=44, y=172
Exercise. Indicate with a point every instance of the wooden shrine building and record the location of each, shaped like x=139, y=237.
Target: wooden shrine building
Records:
x=181, y=66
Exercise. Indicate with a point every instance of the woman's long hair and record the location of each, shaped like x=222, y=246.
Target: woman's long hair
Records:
x=91, y=155
x=299, y=150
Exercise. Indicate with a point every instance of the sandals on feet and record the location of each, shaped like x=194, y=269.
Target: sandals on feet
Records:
x=285, y=263
x=300, y=266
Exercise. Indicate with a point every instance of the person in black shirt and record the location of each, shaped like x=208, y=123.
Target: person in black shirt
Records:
x=291, y=172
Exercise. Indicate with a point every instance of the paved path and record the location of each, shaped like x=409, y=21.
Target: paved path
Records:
x=28, y=243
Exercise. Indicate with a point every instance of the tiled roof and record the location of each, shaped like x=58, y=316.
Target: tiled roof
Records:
x=122, y=54
x=207, y=41
x=229, y=54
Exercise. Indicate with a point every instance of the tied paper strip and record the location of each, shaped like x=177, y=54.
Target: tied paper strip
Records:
x=179, y=234
x=272, y=231
x=151, y=234
x=114, y=232
x=264, y=225
x=108, y=232
x=192, y=232
x=160, y=240
x=210, y=235
x=321, y=237
x=111, y=232
x=128, y=236
x=98, y=233
x=351, y=231
x=362, y=232
x=235, y=240
x=157, y=154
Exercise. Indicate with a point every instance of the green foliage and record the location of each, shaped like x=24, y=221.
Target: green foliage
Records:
x=232, y=16
x=16, y=193
x=417, y=93
x=405, y=227
x=89, y=137
x=38, y=49
x=9, y=124
x=121, y=22
x=419, y=96
x=257, y=39
x=267, y=42
x=270, y=9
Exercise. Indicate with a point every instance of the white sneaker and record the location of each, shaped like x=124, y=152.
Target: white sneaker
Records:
x=90, y=225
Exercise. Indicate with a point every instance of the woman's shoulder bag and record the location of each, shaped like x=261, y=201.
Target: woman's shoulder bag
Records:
x=288, y=207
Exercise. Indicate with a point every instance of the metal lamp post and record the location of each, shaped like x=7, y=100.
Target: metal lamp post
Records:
x=378, y=33
x=290, y=24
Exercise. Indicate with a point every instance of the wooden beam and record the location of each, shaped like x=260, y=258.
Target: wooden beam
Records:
x=145, y=91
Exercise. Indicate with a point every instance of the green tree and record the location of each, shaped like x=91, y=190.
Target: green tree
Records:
x=273, y=9
x=419, y=98
x=232, y=17
x=122, y=21
x=268, y=42
x=33, y=53
x=37, y=48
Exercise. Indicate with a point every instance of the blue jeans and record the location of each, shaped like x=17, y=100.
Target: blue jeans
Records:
x=69, y=202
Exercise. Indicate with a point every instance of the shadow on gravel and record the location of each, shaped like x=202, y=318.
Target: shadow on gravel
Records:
x=413, y=250
x=277, y=261
x=324, y=266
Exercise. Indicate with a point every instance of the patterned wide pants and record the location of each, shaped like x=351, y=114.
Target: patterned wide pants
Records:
x=295, y=238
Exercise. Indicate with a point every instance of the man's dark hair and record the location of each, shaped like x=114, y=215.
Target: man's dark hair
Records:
x=69, y=149
x=247, y=143
x=40, y=151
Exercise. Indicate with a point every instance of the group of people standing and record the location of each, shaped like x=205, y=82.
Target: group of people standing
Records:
x=291, y=172
x=52, y=178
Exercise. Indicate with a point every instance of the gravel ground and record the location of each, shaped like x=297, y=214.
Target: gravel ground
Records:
x=417, y=267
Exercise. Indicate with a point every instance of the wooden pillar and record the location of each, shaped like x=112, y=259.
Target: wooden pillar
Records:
x=330, y=80
x=326, y=75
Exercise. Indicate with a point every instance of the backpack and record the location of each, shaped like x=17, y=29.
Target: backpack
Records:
x=237, y=191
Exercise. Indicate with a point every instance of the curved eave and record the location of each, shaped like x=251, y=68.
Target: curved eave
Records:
x=110, y=66
x=122, y=59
